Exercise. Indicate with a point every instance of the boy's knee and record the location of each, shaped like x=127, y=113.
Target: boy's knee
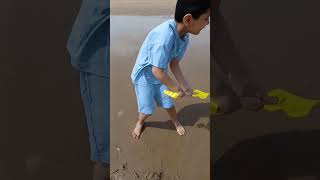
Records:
x=142, y=114
x=169, y=108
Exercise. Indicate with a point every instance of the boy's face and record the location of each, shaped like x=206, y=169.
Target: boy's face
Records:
x=194, y=26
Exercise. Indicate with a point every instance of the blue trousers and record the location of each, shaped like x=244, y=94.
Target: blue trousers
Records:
x=95, y=93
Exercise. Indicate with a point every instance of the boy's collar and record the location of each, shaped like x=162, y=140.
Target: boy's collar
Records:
x=183, y=38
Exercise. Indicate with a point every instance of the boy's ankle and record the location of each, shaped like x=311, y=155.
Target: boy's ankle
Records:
x=140, y=123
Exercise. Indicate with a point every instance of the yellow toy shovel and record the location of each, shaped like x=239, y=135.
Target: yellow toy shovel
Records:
x=196, y=93
x=200, y=94
x=292, y=105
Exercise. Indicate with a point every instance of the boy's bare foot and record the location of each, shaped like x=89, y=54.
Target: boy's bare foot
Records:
x=180, y=129
x=137, y=130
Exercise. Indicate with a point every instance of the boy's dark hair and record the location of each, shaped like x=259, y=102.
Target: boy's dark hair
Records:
x=193, y=7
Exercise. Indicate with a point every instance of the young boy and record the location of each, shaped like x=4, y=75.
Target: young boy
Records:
x=165, y=45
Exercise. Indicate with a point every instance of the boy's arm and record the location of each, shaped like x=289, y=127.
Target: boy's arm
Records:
x=176, y=71
x=229, y=61
x=231, y=76
x=166, y=80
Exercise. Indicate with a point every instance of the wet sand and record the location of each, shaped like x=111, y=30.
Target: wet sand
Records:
x=160, y=153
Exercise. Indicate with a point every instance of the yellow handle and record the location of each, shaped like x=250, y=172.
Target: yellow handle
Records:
x=174, y=95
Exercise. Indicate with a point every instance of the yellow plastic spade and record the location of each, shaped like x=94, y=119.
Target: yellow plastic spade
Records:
x=200, y=94
x=292, y=105
x=196, y=93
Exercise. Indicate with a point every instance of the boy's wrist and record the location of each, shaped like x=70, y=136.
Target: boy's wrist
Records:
x=186, y=87
x=175, y=88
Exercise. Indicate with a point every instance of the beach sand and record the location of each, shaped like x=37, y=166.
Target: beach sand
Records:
x=160, y=153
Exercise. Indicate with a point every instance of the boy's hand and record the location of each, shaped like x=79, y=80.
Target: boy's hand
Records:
x=181, y=94
x=255, y=96
x=188, y=91
x=179, y=90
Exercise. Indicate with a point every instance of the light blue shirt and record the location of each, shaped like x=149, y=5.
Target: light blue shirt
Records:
x=161, y=45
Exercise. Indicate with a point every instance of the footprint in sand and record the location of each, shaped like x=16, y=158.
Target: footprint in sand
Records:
x=120, y=113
